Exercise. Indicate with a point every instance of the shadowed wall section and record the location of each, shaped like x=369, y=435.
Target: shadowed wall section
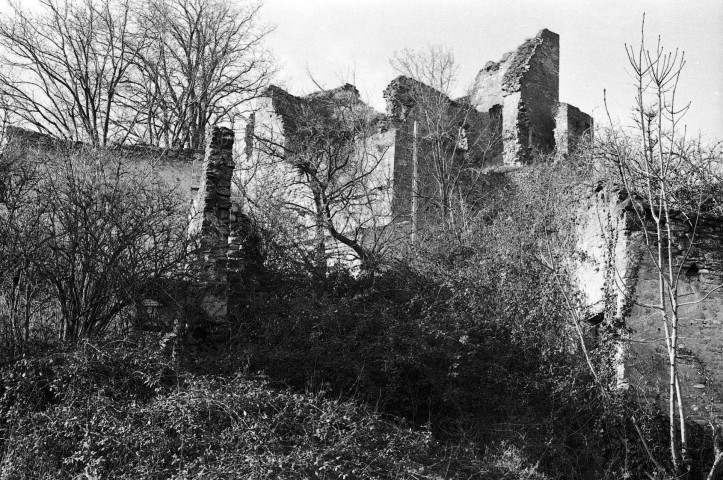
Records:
x=210, y=222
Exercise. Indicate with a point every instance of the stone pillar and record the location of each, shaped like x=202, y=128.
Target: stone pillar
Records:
x=516, y=138
x=209, y=226
x=571, y=127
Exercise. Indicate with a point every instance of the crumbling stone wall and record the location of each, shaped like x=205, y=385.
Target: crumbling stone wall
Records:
x=515, y=99
x=701, y=324
x=615, y=274
x=210, y=222
x=525, y=85
x=201, y=178
x=276, y=143
x=467, y=134
x=179, y=169
x=539, y=85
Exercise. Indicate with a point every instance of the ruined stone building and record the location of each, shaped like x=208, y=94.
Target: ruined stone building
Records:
x=512, y=111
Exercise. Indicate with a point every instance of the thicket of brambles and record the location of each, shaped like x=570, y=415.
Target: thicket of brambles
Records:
x=458, y=357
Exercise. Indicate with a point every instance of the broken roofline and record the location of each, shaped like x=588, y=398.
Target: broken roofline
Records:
x=523, y=86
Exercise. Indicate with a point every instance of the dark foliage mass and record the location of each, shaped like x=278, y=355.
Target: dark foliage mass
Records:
x=468, y=339
x=121, y=411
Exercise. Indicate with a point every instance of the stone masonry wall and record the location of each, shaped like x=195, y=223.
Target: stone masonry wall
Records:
x=701, y=323
x=571, y=125
x=210, y=222
x=539, y=83
x=515, y=100
x=408, y=101
x=526, y=84
x=179, y=169
x=275, y=142
x=616, y=274
x=487, y=90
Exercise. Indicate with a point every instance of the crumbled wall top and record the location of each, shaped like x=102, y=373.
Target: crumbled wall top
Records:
x=177, y=167
x=404, y=92
x=519, y=63
x=324, y=104
x=497, y=79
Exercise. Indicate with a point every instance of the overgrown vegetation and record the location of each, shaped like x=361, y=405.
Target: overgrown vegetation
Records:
x=461, y=356
x=122, y=411
x=459, y=362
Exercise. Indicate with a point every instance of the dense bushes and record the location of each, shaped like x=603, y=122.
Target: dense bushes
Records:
x=85, y=234
x=469, y=336
x=119, y=411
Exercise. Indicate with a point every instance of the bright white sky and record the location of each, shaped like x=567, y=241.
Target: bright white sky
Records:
x=351, y=41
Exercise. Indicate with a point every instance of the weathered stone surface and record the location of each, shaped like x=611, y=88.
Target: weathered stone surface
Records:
x=512, y=110
x=701, y=321
x=458, y=123
x=514, y=100
x=516, y=131
x=617, y=277
x=178, y=168
x=526, y=83
x=607, y=254
x=277, y=138
x=210, y=222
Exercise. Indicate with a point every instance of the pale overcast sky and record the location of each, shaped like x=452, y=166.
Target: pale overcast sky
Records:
x=351, y=41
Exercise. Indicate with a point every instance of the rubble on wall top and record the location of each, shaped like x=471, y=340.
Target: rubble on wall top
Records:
x=520, y=61
x=295, y=111
x=400, y=96
x=25, y=137
x=346, y=92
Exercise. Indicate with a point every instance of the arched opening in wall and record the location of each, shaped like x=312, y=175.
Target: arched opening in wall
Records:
x=692, y=271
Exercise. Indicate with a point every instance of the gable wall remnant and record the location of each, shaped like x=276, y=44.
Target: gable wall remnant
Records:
x=525, y=83
x=539, y=84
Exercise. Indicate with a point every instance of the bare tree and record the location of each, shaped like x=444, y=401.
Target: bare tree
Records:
x=102, y=71
x=85, y=235
x=206, y=59
x=64, y=66
x=21, y=289
x=337, y=180
x=670, y=182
